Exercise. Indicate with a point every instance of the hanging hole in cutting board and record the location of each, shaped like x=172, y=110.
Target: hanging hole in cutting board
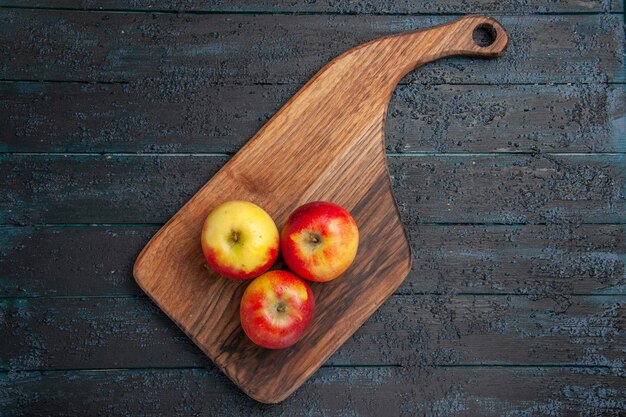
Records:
x=484, y=35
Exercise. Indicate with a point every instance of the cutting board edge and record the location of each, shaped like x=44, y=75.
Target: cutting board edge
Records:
x=275, y=399
x=312, y=370
x=260, y=398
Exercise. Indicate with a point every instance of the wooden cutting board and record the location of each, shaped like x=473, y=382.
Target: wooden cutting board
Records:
x=326, y=143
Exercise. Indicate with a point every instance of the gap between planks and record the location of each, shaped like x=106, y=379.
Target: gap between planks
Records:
x=388, y=154
x=228, y=84
x=429, y=224
x=395, y=294
x=382, y=366
x=295, y=13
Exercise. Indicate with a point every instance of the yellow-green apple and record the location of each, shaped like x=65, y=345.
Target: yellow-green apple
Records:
x=240, y=240
x=319, y=241
x=276, y=309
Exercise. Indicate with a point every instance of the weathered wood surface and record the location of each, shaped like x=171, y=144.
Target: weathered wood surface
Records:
x=137, y=117
x=584, y=188
x=175, y=71
x=195, y=50
x=339, y=6
x=538, y=260
x=491, y=391
x=419, y=330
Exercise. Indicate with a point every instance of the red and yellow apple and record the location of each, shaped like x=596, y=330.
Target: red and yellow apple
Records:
x=276, y=309
x=240, y=240
x=319, y=241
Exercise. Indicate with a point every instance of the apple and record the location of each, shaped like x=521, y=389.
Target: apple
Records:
x=240, y=240
x=319, y=241
x=276, y=309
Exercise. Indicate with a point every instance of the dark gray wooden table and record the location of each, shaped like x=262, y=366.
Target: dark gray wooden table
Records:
x=510, y=176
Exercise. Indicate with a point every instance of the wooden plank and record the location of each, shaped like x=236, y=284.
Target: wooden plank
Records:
x=340, y=6
x=538, y=260
x=45, y=334
x=70, y=261
x=541, y=261
x=60, y=117
x=429, y=189
x=79, y=185
x=507, y=118
x=331, y=392
x=193, y=51
x=530, y=189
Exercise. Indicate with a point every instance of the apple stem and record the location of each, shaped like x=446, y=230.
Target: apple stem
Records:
x=281, y=307
x=314, y=238
x=235, y=236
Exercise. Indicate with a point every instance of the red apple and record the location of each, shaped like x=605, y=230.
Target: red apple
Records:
x=276, y=309
x=319, y=241
x=239, y=240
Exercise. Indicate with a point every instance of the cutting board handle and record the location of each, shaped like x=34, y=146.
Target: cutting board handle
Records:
x=455, y=38
x=381, y=63
x=359, y=83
